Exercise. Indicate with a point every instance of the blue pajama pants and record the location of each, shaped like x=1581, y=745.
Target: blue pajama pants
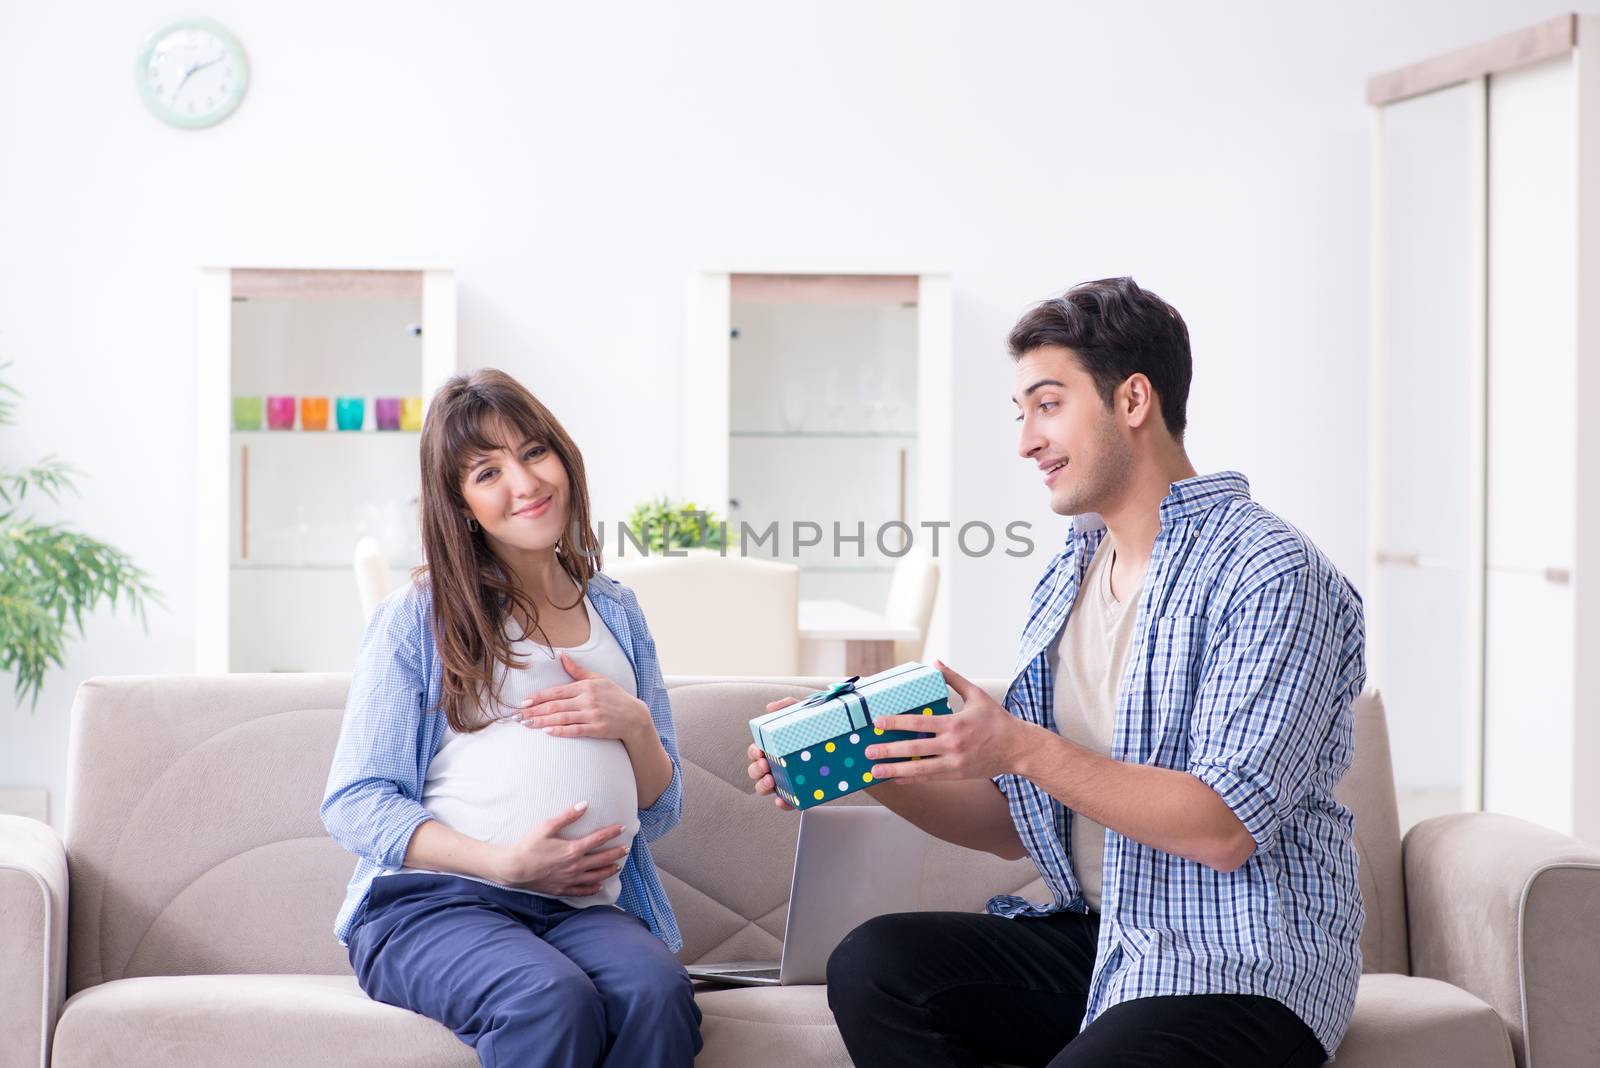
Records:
x=526, y=980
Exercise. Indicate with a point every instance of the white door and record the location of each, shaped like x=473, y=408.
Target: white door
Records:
x=1532, y=456
x=1425, y=626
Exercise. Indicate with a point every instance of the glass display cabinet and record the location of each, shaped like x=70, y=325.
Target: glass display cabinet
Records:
x=312, y=389
x=822, y=426
x=820, y=398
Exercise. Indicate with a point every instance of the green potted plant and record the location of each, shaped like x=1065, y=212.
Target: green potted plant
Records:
x=50, y=575
x=661, y=524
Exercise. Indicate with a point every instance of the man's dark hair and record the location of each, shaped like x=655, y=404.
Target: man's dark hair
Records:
x=1116, y=330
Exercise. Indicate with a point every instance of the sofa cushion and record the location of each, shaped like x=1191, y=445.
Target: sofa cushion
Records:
x=193, y=836
x=1400, y=1019
x=1367, y=790
x=745, y=1025
x=245, y=1020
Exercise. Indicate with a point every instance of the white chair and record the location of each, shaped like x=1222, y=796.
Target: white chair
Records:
x=718, y=615
x=372, y=574
x=911, y=593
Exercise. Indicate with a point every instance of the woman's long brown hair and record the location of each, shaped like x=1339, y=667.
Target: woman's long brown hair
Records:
x=472, y=592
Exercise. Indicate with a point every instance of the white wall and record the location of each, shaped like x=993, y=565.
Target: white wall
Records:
x=575, y=162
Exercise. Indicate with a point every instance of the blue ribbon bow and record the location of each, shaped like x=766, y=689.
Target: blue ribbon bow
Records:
x=824, y=696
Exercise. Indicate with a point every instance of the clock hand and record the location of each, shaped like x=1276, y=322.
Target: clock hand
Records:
x=193, y=69
x=181, y=81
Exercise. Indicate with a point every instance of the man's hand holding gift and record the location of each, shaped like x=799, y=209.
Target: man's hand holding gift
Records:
x=983, y=741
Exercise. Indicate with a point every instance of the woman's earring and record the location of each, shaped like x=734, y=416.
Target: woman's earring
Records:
x=472, y=524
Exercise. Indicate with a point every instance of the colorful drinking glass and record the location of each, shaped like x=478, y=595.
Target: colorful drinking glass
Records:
x=280, y=413
x=351, y=412
x=313, y=413
x=387, y=410
x=247, y=413
x=411, y=413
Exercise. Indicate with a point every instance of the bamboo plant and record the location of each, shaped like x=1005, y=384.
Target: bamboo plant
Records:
x=50, y=574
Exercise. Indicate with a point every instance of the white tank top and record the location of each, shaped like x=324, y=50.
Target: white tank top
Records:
x=497, y=783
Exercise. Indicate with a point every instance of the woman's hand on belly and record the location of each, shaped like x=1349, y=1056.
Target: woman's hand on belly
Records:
x=590, y=706
x=547, y=864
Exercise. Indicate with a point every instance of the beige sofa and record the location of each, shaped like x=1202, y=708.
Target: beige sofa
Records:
x=198, y=929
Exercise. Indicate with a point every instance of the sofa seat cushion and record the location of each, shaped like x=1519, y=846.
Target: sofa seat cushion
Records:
x=1400, y=1019
x=745, y=1025
x=244, y=1021
x=259, y=1020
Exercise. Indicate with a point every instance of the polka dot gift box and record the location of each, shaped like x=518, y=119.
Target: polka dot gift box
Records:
x=817, y=748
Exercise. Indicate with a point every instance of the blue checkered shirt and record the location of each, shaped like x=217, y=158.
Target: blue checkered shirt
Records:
x=1246, y=656
x=372, y=803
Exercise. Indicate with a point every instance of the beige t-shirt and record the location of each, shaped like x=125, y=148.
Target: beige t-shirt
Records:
x=1088, y=657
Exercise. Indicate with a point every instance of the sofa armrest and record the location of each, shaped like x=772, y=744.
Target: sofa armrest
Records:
x=33, y=936
x=1505, y=909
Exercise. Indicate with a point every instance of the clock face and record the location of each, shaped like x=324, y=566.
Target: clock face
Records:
x=192, y=73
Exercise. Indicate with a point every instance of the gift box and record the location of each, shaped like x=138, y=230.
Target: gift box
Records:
x=817, y=748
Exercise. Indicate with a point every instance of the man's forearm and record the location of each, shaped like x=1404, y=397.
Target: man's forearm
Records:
x=1162, y=808
x=969, y=812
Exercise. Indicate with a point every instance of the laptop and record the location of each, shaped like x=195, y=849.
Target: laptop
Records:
x=853, y=862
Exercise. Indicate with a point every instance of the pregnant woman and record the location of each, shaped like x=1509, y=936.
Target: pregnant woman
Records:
x=507, y=755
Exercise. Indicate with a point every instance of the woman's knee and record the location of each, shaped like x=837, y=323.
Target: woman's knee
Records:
x=564, y=1007
x=657, y=990
x=654, y=1017
x=570, y=992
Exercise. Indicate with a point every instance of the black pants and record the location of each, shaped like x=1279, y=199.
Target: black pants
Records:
x=956, y=988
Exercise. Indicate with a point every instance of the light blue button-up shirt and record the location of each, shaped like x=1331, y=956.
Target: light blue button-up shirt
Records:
x=373, y=800
x=1247, y=654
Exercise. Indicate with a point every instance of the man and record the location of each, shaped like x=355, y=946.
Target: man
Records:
x=1166, y=755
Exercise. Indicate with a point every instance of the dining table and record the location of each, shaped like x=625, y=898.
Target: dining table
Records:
x=838, y=639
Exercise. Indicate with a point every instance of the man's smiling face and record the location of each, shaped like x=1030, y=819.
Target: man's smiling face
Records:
x=1079, y=445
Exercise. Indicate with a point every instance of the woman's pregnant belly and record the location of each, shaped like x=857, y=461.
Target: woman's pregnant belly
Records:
x=499, y=783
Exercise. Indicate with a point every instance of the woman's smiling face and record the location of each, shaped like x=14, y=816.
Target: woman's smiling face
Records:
x=518, y=492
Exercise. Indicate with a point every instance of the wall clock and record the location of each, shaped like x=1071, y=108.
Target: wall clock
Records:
x=192, y=73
